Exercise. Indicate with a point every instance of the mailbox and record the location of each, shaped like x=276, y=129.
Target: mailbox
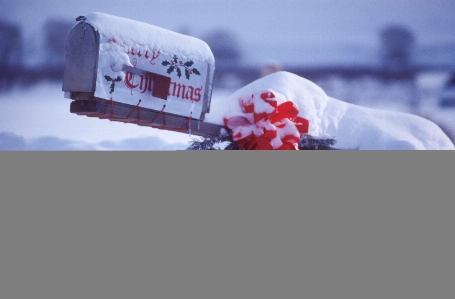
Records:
x=115, y=59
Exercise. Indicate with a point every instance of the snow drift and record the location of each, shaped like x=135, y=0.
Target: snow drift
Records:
x=354, y=127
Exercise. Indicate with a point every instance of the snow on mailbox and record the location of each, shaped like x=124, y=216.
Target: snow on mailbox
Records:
x=131, y=62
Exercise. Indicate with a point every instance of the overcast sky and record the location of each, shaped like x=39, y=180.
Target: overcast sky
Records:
x=256, y=21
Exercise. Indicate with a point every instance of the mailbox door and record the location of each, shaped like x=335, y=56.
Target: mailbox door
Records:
x=81, y=62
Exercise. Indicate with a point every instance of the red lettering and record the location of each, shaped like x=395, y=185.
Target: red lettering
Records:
x=129, y=78
x=189, y=93
x=173, y=91
x=185, y=92
x=146, y=83
x=158, y=85
x=154, y=56
x=197, y=93
x=178, y=87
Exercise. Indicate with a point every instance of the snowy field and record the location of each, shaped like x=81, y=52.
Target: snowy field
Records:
x=420, y=97
x=38, y=118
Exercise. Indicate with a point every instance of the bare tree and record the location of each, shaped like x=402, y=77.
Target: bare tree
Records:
x=397, y=43
x=10, y=53
x=56, y=33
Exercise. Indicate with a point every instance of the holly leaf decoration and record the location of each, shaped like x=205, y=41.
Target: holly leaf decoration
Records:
x=112, y=86
x=175, y=64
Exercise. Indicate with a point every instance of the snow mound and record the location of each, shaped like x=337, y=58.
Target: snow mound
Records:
x=146, y=36
x=354, y=127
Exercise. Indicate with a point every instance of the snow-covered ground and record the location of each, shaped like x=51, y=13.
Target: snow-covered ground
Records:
x=38, y=117
x=420, y=97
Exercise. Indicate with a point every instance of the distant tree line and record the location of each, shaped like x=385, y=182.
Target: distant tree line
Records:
x=397, y=44
x=10, y=52
x=14, y=51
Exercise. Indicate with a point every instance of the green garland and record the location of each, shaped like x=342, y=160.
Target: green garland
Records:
x=208, y=143
x=307, y=142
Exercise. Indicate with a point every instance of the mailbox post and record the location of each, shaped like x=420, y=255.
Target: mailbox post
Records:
x=129, y=71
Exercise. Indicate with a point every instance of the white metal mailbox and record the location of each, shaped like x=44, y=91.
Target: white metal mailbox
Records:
x=130, y=62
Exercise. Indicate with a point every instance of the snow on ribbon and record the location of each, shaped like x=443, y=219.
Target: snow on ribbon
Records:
x=265, y=125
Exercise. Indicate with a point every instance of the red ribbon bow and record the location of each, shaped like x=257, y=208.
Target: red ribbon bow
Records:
x=267, y=125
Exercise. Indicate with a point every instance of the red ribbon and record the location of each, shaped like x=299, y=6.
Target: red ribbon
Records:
x=273, y=126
